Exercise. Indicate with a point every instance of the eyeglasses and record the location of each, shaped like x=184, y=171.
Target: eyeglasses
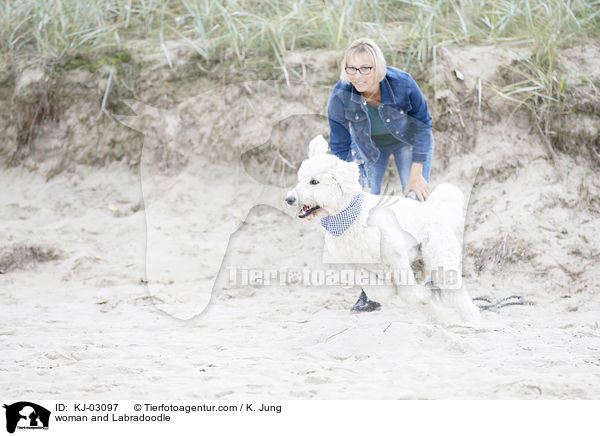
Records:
x=363, y=70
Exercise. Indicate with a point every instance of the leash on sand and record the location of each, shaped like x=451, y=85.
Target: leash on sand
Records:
x=483, y=303
x=486, y=304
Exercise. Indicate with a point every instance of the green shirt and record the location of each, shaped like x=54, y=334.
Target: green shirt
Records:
x=379, y=133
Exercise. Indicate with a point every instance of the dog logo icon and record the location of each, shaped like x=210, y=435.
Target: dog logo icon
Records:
x=26, y=415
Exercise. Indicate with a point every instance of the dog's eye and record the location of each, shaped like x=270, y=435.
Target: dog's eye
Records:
x=314, y=182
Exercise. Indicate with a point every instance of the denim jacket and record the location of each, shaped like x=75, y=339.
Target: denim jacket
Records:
x=403, y=110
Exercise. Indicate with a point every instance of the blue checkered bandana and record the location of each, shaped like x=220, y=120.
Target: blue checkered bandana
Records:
x=339, y=223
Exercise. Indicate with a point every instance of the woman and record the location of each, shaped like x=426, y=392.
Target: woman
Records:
x=376, y=111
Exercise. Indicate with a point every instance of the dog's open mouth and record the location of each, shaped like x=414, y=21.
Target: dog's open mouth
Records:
x=307, y=210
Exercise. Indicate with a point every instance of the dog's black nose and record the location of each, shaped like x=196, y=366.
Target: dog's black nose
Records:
x=291, y=198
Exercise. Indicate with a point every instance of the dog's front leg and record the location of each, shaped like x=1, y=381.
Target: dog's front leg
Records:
x=395, y=247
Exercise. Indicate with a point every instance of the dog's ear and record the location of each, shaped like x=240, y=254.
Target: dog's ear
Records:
x=346, y=175
x=318, y=145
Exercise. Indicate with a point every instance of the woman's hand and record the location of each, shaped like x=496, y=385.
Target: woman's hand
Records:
x=417, y=183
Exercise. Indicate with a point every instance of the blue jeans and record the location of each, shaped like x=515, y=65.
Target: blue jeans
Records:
x=403, y=158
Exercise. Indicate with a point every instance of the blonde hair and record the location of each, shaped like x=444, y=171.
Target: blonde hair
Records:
x=364, y=45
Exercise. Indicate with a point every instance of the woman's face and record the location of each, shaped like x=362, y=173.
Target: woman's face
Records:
x=363, y=82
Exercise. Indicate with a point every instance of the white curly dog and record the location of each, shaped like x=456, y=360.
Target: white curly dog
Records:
x=387, y=233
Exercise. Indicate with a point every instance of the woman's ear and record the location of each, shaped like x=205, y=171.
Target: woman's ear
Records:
x=318, y=145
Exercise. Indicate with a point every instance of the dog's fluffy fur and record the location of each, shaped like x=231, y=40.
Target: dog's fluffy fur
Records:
x=390, y=232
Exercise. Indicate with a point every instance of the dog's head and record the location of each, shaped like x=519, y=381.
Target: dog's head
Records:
x=326, y=184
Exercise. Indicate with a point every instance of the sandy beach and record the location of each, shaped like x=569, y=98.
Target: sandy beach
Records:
x=87, y=324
